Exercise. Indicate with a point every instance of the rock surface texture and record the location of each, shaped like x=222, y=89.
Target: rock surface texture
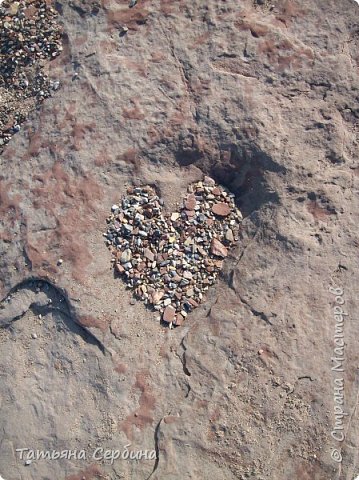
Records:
x=263, y=97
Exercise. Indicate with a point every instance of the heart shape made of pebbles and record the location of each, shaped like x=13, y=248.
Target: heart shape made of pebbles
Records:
x=171, y=260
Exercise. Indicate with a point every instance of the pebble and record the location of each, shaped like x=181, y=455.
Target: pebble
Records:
x=217, y=248
x=126, y=256
x=119, y=268
x=156, y=296
x=221, y=209
x=169, y=261
x=191, y=202
x=229, y=235
x=179, y=319
x=128, y=228
x=169, y=314
x=148, y=254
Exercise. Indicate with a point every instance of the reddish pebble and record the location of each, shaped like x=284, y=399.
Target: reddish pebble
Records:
x=217, y=248
x=221, y=209
x=190, y=213
x=169, y=314
x=179, y=319
x=148, y=254
x=119, y=268
x=190, y=202
x=141, y=266
x=193, y=302
x=156, y=296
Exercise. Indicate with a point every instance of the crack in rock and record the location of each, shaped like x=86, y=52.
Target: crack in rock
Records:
x=256, y=313
x=157, y=449
x=41, y=296
x=183, y=358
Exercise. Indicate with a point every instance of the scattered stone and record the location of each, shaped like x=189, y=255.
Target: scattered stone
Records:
x=169, y=314
x=191, y=202
x=229, y=236
x=193, y=303
x=179, y=320
x=190, y=213
x=217, y=248
x=126, y=256
x=221, y=209
x=148, y=254
x=119, y=268
x=156, y=296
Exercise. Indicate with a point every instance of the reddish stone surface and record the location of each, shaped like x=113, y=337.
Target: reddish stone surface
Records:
x=221, y=209
x=216, y=191
x=91, y=473
x=190, y=202
x=143, y=415
x=169, y=314
x=179, y=319
x=217, y=248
